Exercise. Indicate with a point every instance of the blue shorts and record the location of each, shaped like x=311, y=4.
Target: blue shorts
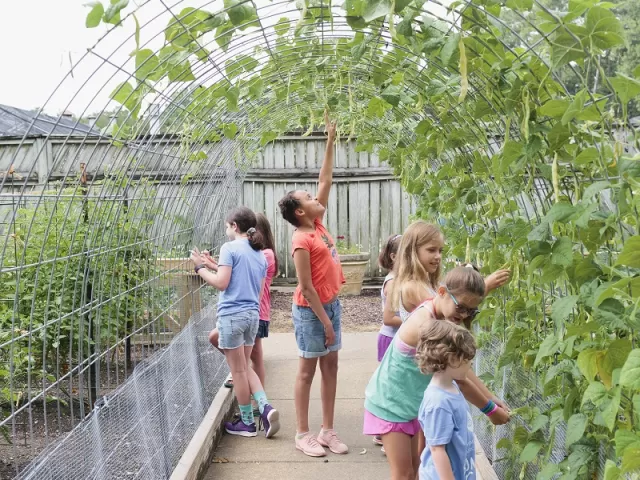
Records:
x=238, y=330
x=310, y=331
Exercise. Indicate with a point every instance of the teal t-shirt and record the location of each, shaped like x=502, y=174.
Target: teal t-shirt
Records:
x=395, y=390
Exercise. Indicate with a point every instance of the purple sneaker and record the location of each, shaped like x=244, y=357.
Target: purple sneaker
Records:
x=238, y=427
x=271, y=420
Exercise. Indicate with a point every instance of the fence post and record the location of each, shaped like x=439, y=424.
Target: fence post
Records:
x=88, y=296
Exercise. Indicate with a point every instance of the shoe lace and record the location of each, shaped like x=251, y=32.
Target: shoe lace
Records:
x=311, y=440
x=333, y=436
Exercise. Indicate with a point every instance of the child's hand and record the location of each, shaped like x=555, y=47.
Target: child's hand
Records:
x=209, y=261
x=497, y=279
x=502, y=404
x=500, y=417
x=330, y=127
x=329, y=336
x=196, y=257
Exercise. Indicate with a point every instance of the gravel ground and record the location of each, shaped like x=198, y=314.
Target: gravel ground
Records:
x=362, y=313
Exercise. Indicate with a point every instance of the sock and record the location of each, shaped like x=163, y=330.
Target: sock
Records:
x=300, y=435
x=261, y=398
x=246, y=413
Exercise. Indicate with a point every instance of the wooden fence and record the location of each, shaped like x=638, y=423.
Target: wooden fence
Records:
x=366, y=204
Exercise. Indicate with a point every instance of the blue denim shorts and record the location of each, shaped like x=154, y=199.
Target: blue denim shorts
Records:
x=238, y=330
x=310, y=331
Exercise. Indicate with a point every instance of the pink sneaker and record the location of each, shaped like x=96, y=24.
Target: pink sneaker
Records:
x=308, y=445
x=329, y=439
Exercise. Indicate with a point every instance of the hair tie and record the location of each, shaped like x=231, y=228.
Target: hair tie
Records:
x=251, y=231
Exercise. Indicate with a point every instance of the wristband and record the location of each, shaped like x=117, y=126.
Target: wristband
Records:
x=198, y=268
x=488, y=407
x=495, y=409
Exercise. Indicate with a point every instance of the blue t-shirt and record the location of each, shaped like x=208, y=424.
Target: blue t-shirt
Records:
x=248, y=268
x=446, y=420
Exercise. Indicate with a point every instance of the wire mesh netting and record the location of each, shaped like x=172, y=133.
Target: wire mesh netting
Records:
x=506, y=119
x=141, y=429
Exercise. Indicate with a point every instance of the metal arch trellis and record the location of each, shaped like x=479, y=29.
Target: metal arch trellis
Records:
x=117, y=213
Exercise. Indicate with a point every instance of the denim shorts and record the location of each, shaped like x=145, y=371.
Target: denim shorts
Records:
x=238, y=330
x=310, y=331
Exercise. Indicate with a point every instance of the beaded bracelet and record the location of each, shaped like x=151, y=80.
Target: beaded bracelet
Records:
x=495, y=409
x=488, y=407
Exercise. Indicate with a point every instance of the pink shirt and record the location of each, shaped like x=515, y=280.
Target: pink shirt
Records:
x=265, y=302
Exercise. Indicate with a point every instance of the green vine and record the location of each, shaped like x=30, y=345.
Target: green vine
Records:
x=478, y=125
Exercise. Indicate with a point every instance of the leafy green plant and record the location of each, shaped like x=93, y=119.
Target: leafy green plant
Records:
x=519, y=170
x=344, y=247
x=52, y=279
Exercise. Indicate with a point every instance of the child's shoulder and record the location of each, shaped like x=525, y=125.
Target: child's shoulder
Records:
x=435, y=399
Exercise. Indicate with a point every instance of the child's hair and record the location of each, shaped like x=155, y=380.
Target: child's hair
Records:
x=465, y=280
x=264, y=227
x=443, y=344
x=246, y=221
x=407, y=266
x=390, y=248
x=288, y=206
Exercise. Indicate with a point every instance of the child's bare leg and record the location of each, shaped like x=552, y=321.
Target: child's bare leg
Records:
x=304, y=379
x=400, y=449
x=257, y=360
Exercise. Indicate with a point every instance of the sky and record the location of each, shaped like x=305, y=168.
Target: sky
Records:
x=37, y=37
x=42, y=39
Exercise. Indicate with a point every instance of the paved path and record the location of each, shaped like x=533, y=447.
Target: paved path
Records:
x=277, y=458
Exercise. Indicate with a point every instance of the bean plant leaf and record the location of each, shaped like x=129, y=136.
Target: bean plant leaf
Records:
x=566, y=48
x=576, y=106
x=630, y=255
x=595, y=393
x=562, y=307
x=147, y=65
x=268, y=137
x=631, y=460
x=624, y=439
x=611, y=471
x=626, y=88
x=230, y=130
x=112, y=14
x=630, y=375
x=374, y=9
x=95, y=15
x=575, y=428
x=449, y=48
x=282, y=27
x=588, y=363
x=520, y=5
x=549, y=346
x=554, y=108
x=241, y=13
x=562, y=252
x=530, y=452
x=604, y=28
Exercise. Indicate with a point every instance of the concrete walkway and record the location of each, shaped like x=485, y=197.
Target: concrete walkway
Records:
x=258, y=458
x=277, y=458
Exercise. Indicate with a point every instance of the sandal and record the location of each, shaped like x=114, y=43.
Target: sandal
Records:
x=229, y=383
